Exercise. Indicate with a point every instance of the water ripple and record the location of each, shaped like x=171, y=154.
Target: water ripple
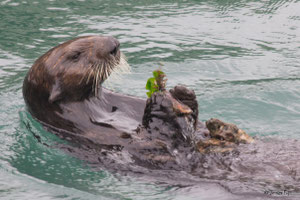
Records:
x=240, y=57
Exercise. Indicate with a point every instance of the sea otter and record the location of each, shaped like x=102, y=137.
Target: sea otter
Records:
x=63, y=91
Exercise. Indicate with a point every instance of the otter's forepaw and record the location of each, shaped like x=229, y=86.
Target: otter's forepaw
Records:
x=228, y=132
x=187, y=97
x=223, y=137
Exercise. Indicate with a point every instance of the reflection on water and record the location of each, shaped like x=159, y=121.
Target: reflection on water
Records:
x=240, y=57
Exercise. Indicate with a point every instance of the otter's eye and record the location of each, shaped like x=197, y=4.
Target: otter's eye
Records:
x=75, y=56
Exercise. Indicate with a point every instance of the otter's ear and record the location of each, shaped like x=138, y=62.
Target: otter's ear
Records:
x=55, y=93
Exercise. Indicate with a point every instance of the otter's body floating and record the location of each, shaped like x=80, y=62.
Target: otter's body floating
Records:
x=127, y=134
x=63, y=91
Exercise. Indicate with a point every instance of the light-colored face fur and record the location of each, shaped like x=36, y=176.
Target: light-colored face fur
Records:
x=79, y=64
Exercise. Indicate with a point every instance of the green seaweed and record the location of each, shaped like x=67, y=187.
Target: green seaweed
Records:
x=156, y=83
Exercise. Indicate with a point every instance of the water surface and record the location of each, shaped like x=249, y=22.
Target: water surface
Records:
x=240, y=57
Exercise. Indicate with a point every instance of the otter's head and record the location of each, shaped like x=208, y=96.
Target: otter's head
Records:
x=74, y=70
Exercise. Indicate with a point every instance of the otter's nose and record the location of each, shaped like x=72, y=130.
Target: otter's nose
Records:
x=106, y=46
x=115, y=49
x=113, y=46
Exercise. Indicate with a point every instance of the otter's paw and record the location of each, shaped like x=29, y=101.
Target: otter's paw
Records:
x=224, y=137
x=228, y=132
x=187, y=97
x=214, y=145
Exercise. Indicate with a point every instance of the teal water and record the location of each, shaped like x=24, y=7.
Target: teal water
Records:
x=240, y=57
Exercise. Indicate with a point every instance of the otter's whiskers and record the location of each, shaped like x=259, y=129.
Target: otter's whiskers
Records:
x=118, y=69
x=109, y=70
